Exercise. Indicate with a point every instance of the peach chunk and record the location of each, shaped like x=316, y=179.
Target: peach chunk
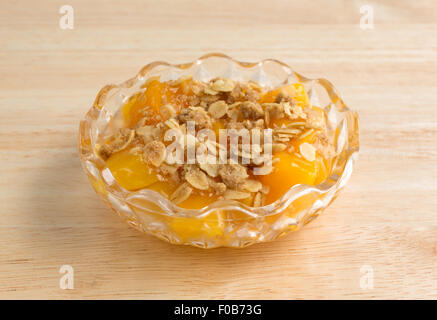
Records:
x=130, y=171
x=155, y=95
x=288, y=171
x=187, y=228
x=295, y=90
x=163, y=187
x=197, y=201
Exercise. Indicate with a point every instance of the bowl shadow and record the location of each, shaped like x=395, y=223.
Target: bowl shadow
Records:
x=70, y=225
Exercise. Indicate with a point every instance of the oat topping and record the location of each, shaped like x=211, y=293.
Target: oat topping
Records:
x=307, y=151
x=233, y=174
x=197, y=178
x=236, y=195
x=294, y=112
x=167, y=111
x=258, y=200
x=314, y=119
x=121, y=141
x=251, y=185
x=196, y=114
x=181, y=193
x=265, y=190
x=210, y=169
x=278, y=147
x=219, y=187
x=154, y=152
x=324, y=146
x=275, y=110
x=251, y=110
x=222, y=85
x=218, y=109
x=103, y=151
x=168, y=170
x=223, y=103
x=146, y=133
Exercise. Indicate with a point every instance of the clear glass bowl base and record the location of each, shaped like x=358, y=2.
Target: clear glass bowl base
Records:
x=223, y=223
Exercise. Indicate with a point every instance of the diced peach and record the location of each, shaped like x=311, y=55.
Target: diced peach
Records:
x=188, y=228
x=286, y=121
x=248, y=201
x=271, y=95
x=300, y=95
x=179, y=95
x=131, y=109
x=130, y=171
x=162, y=187
x=288, y=171
x=197, y=201
x=155, y=95
x=295, y=90
x=271, y=219
x=155, y=91
x=185, y=87
x=281, y=122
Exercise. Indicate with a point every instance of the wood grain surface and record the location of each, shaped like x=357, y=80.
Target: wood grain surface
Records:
x=386, y=218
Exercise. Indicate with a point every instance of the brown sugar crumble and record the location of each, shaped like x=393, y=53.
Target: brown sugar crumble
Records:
x=221, y=104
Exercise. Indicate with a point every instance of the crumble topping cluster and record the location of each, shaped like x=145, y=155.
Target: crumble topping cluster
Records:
x=221, y=103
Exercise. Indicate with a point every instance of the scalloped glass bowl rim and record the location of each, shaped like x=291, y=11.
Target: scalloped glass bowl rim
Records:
x=170, y=208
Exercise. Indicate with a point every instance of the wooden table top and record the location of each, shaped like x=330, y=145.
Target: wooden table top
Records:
x=384, y=224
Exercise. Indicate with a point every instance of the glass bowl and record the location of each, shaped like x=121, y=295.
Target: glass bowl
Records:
x=225, y=222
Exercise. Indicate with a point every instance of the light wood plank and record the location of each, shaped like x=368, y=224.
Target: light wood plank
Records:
x=50, y=216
